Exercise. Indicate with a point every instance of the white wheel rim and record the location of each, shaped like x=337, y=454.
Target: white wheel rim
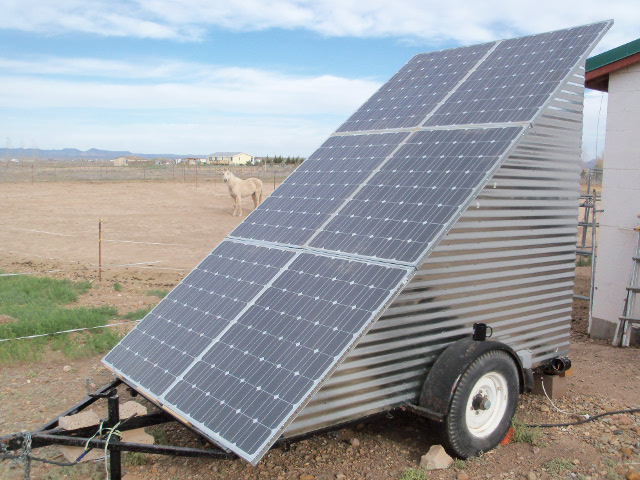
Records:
x=482, y=422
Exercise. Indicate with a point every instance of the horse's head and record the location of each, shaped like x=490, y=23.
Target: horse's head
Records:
x=226, y=174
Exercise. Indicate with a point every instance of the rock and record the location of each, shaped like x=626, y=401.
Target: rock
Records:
x=172, y=470
x=576, y=462
x=625, y=450
x=544, y=408
x=632, y=475
x=436, y=459
x=535, y=450
x=354, y=442
x=532, y=476
x=66, y=368
x=307, y=477
x=340, y=476
x=463, y=476
x=617, y=432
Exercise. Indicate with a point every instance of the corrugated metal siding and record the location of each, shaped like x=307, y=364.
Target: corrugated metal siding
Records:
x=508, y=262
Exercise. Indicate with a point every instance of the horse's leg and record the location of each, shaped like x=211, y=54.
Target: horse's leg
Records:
x=254, y=196
x=239, y=202
x=235, y=204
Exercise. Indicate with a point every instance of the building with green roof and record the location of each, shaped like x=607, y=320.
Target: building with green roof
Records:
x=617, y=72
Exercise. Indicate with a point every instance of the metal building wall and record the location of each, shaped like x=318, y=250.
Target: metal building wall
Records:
x=508, y=262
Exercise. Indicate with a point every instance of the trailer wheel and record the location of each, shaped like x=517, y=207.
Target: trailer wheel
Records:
x=483, y=404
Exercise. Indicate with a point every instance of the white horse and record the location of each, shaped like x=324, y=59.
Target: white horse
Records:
x=242, y=188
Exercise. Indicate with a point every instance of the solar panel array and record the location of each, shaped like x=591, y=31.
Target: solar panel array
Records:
x=248, y=337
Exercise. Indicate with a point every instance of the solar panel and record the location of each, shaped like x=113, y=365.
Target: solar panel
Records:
x=306, y=199
x=255, y=377
x=407, y=203
x=161, y=347
x=516, y=79
x=249, y=336
x=415, y=90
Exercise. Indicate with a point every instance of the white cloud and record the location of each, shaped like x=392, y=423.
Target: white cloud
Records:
x=228, y=89
x=151, y=107
x=433, y=21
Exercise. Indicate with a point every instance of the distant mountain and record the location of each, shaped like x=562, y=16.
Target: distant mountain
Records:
x=69, y=154
x=589, y=164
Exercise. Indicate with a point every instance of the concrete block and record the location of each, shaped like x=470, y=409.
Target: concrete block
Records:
x=83, y=419
x=131, y=407
x=137, y=436
x=72, y=453
x=554, y=385
x=436, y=459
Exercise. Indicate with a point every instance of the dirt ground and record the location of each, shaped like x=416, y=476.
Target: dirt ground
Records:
x=153, y=233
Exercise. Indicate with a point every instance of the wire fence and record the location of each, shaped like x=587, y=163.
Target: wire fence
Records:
x=32, y=172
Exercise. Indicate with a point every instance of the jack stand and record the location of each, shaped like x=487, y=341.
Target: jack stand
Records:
x=115, y=456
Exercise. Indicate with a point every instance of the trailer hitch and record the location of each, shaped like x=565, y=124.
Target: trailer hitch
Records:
x=18, y=446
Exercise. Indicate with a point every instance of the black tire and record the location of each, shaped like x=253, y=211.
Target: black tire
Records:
x=467, y=437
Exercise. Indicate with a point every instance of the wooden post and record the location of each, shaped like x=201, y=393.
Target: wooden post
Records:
x=100, y=250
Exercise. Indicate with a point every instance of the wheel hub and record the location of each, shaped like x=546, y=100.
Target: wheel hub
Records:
x=487, y=404
x=481, y=402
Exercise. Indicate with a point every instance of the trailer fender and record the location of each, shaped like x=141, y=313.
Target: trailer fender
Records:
x=442, y=380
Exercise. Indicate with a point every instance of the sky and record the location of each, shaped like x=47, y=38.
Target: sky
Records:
x=258, y=76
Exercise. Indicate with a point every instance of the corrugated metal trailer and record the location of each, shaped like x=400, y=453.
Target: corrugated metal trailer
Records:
x=448, y=202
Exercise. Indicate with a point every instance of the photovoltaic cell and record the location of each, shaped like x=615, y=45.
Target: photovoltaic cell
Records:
x=406, y=99
x=306, y=199
x=161, y=347
x=516, y=79
x=415, y=194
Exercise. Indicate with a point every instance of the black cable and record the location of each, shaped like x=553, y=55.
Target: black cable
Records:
x=580, y=422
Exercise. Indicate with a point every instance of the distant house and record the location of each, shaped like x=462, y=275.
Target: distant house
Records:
x=230, y=158
x=131, y=160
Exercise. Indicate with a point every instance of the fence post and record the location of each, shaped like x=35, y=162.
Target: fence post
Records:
x=100, y=250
